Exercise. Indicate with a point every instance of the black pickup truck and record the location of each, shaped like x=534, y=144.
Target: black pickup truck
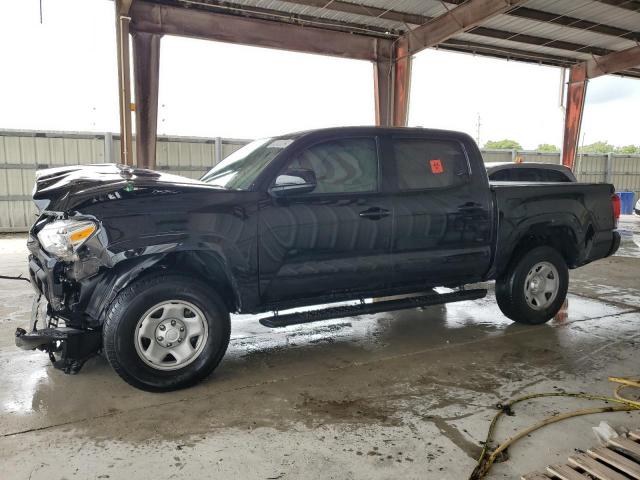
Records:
x=146, y=266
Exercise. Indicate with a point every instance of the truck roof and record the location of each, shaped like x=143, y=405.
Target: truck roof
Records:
x=375, y=130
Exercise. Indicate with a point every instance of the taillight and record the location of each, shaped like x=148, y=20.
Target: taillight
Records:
x=615, y=203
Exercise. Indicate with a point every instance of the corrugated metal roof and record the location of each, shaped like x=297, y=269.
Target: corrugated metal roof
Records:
x=540, y=51
x=558, y=32
x=323, y=13
x=591, y=10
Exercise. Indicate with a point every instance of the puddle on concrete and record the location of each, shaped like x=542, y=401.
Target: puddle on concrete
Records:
x=439, y=325
x=629, y=229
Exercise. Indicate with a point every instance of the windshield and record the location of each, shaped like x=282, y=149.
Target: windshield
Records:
x=240, y=169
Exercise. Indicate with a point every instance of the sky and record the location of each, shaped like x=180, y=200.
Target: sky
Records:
x=61, y=75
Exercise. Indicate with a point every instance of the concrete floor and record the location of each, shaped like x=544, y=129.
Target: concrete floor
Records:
x=397, y=395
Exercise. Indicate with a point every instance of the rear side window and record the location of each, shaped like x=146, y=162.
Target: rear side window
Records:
x=423, y=163
x=528, y=174
x=555, y=176
x=501, y=176
x=347, y=165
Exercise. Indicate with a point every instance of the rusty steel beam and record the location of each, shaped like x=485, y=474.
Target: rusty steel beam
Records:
x=146, y=69
x=413, y=20
x=456, y=20
x=123, y=6
x=383, y=85
x=304, y=19
x=613, y=63
x=401, y=83
x=576, y=92
x=124, y=80
x=392, y=83
x=577, y=88
x=188, y=22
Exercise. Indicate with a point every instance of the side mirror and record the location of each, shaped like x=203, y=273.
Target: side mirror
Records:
x=294, y=182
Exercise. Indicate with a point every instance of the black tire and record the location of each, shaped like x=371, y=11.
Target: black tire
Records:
x=131, y=304
x=510, y=288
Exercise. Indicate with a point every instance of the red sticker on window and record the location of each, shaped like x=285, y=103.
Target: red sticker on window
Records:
x=436, y=166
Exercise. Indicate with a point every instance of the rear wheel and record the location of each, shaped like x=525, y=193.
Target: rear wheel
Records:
x=534, y=287
x=165, y=332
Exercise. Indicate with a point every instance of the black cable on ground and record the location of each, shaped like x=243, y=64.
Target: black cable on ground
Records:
x=19, y=277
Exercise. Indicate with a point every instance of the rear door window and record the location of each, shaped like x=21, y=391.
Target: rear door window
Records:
x=423, y=163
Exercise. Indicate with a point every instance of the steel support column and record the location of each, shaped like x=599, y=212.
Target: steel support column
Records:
x=124, y=80
x=401, y=83
x=576, y=91
x=146, y=69
x=392, y=82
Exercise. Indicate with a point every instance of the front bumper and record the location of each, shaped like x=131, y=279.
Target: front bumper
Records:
x=75, y=346
x=72, y=346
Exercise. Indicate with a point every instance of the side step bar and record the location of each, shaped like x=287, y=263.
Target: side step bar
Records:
x=368, y=308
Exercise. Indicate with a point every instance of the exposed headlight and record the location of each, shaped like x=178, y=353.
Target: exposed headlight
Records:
x=62, y=238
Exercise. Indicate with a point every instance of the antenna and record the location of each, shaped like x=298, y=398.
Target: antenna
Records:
x=478, y=124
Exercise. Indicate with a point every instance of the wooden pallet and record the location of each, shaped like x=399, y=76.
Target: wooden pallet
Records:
x=619, y=460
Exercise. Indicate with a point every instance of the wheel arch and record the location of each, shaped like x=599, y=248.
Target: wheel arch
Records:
x=564, y=233
x=208, y=267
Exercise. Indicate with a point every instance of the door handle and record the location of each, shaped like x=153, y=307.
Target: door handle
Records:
x=374, y=213
x=469, y=206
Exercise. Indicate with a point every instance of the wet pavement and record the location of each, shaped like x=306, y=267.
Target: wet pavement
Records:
x=395, y=395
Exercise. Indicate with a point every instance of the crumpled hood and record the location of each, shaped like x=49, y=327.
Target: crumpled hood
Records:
x=59, y=189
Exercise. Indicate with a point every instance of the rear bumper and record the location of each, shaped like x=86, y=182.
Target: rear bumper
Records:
x=615, y=244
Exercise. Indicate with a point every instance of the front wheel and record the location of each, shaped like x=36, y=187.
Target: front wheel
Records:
x=165, y=332
x=534, y=287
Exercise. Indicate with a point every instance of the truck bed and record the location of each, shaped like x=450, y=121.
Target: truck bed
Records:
x=583, y=210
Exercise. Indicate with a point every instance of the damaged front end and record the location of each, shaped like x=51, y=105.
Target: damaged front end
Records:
x=86, y=246
x=65, y=253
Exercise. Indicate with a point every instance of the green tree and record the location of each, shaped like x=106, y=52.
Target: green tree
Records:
x=598, y=147
x=629, y=149
x=547, y=147
x=505, y=144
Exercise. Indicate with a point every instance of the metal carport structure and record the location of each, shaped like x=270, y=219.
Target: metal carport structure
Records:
x=589, y=37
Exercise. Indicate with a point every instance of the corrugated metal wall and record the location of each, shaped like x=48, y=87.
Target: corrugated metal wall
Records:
x=519, y=155
x=23, y=152
x=592, y=168
x=498, y=155
x=187, y=156
x=626, y=174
